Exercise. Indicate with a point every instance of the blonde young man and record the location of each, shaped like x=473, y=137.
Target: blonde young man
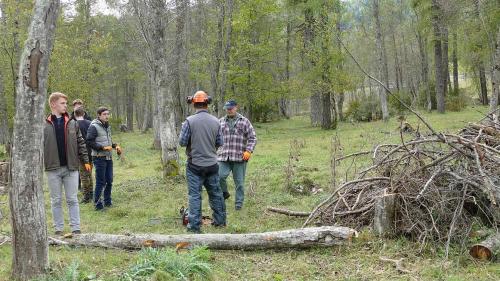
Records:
x=64, y=152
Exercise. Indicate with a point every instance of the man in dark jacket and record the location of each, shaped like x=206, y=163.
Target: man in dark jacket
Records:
x=201, y=135
x=99, y=139
x=64, y=152
x=85, y=177
x=78, y=103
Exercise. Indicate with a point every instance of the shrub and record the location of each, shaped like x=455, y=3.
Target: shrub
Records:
x=395, y=106
x=368, y=110
x=456, y=102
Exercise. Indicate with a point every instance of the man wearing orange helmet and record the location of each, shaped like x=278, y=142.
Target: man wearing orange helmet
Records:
x=201, y=135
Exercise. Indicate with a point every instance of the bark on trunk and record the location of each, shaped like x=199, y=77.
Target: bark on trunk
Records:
x=325, y=236
x=495, y=81
x=487, y=250
x=384, y=212
x=226, y=53
x=483, y=97
x=446, y=67
x=438, y=56
x=455, y=63
x=424, y=64
x=4, y=126
x=181, y=12
x=29, y=228
x=216, y=62
x=130, y=105
x=382, y=59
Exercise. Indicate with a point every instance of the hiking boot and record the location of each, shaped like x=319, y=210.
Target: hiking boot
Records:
x=99, y=207
x=226, y=195
x=58, y=232
x=76, y=232
x=237, y=208
x=108, y=205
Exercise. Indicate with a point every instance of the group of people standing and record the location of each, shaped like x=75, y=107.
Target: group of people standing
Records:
x=74, y=143
x=71, y=145
x=214, y=149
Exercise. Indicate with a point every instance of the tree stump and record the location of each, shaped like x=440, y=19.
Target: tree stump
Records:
x=487, y=250
x=384, y=212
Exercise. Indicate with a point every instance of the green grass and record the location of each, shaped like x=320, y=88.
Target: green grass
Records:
x=140, y=194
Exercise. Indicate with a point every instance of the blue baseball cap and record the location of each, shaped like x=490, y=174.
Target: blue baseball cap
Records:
x=230, y=104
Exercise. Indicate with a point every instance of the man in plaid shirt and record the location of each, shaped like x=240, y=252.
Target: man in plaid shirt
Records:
x=239, y=143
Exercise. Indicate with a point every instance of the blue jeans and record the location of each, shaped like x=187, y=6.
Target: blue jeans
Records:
x=238, y=169
x=103, y=180
x=211, y=182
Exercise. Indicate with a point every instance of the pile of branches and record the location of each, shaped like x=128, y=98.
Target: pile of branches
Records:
x=443, y=185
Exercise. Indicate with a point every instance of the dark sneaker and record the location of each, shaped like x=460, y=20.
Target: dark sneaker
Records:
x=99, y=207
x=237, y=208
x=226, y=195
x=108, y=205
x=76, y=232
x=58, y=232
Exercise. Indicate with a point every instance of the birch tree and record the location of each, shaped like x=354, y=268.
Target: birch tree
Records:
x=29, y=224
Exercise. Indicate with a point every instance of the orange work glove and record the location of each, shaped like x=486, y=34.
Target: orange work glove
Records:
x=118, y=150
x=107, y=148
x=246, y=155
x=88, y=167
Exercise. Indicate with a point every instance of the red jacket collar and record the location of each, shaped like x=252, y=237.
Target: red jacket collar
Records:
x=65, y=115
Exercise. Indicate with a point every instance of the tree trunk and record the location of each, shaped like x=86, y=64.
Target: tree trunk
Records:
x=29, y=224
x=216, y=62
x=438, y=56
x=309, y=35
x=396, y=63
x=424, y=64
x=488, y=249
x=455, y=64
x=483, y=97
x=340, y=106
x=325, y=236
x=4, y=125
x=130, y=104
x=446, y=67
x=382, y=59
x=226, y=53
x=284, y=102
x=495, y=80
x=181, y=12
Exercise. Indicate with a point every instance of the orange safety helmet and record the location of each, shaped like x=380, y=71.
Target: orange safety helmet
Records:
x=200, y=97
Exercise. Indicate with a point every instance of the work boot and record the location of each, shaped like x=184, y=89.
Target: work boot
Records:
x=226, y=195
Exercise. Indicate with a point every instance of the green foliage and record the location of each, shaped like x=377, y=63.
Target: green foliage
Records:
x=368, y=110
x=71, y=272
x=395, y=105
x=456, y=102
x=166, y=264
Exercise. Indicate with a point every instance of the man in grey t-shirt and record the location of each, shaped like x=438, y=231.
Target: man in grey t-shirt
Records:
x=201, y=135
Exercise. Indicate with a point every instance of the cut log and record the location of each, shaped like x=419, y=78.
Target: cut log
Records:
x=384, y=211
x=288, y=212
x=325, y=236
x=489, y=249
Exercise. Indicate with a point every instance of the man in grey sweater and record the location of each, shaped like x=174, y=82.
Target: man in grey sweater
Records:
x=201, y=135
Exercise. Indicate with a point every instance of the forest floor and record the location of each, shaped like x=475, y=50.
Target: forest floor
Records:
x=140, y=194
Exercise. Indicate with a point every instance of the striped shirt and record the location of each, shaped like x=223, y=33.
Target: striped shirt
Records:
x=236, y=139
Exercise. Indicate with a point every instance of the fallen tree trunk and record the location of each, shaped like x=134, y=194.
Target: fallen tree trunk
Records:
x=488, y=249
x=288, y=212
x=294, y=238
